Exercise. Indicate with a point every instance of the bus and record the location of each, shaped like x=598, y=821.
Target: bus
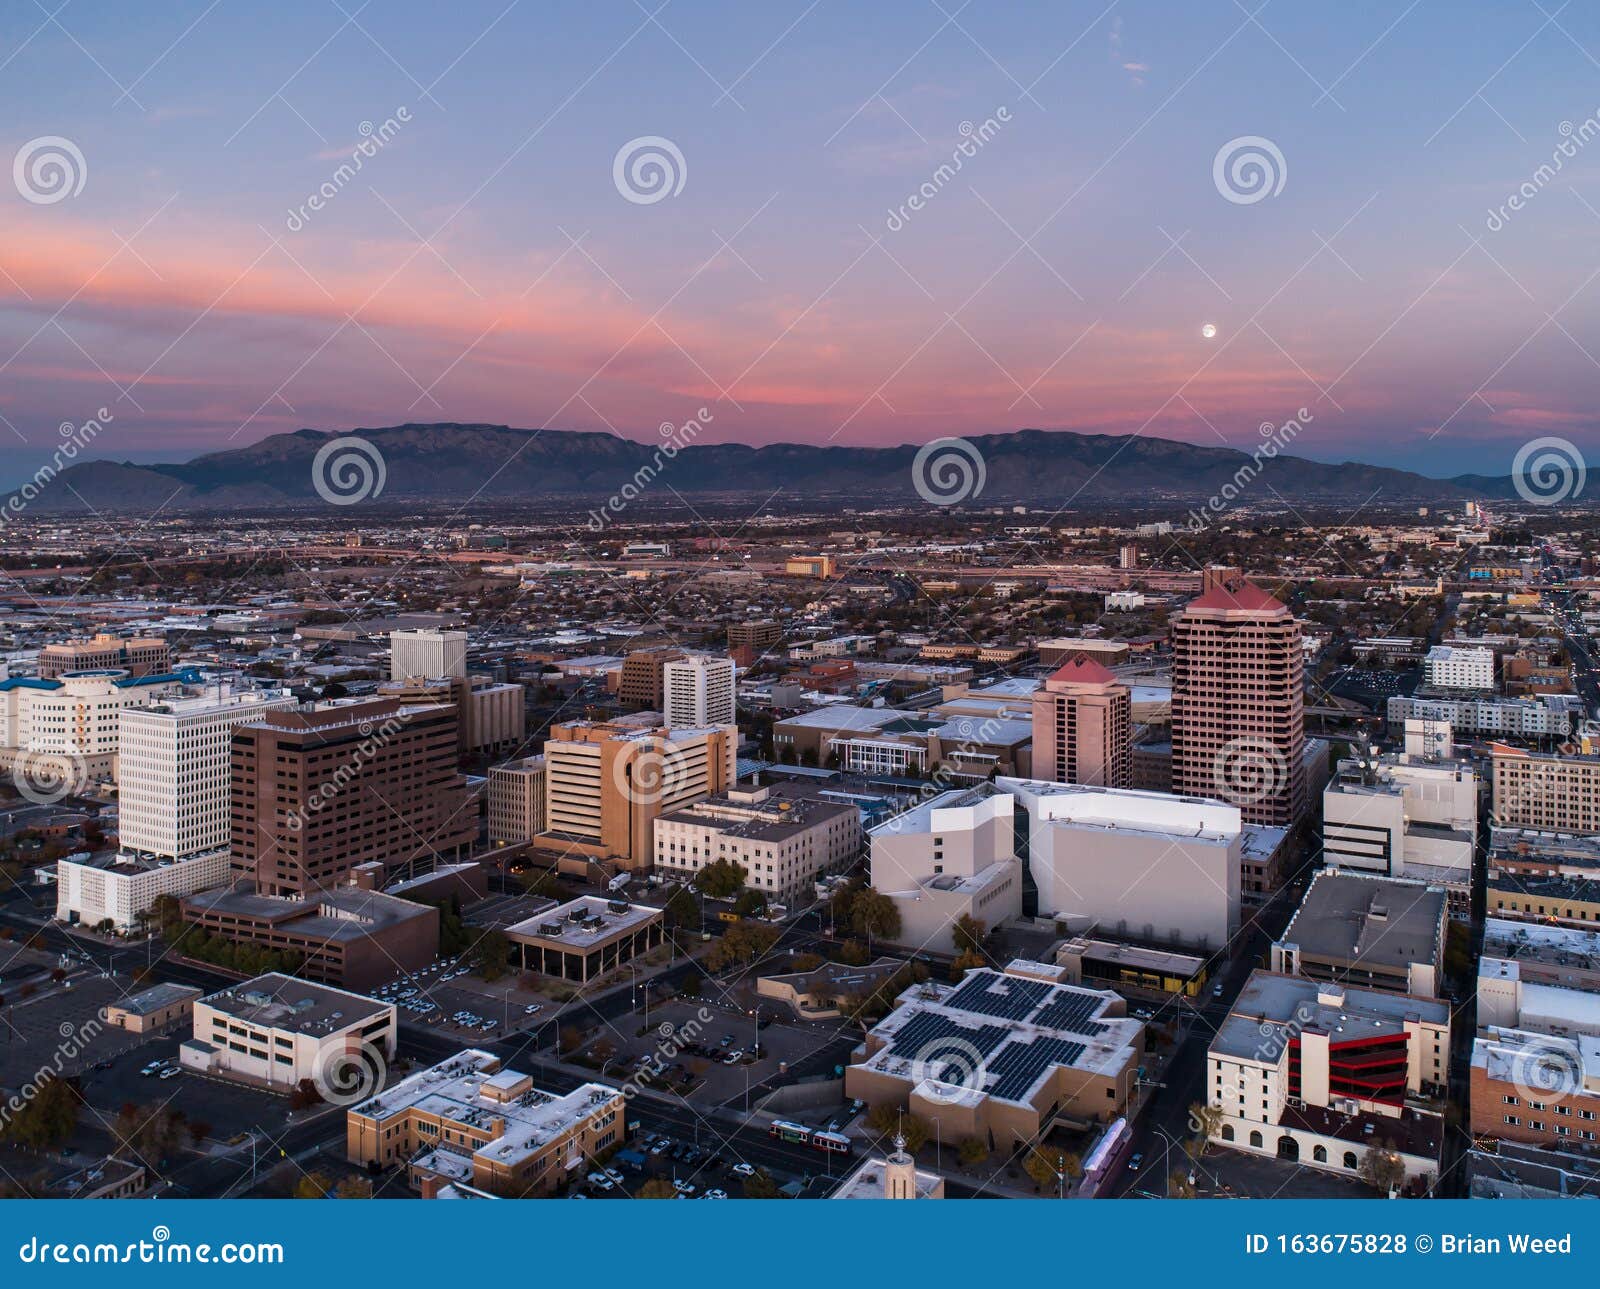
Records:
x=797, y=1133
x=835, y=1143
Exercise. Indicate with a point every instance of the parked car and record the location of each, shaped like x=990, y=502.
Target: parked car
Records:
x=744, y=1170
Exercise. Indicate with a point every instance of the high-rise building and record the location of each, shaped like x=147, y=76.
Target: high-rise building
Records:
x=516, y=798
x=1556, y=792
x=318, y=792
x=605, y=784
x=139, y=656
x=697, y=691
x=492, y=716
x=426, y=652
x=70, y=726
x=173, y=768
x=1081, y=727
x=641, y=683
x=1238, y=702
x=1448, y=668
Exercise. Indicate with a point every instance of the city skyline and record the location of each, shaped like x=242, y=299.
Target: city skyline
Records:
x=1411, y=261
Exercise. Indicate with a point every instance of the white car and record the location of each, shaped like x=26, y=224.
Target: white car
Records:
x=744, y=1170
x=600, y=1182
x=683, y=1188
x=171, y=1072
x=716, y=1192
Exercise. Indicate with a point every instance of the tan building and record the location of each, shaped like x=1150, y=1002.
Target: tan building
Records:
x=138, y=656
x=1554, y=792
x=316, y=793
x=490, y=713
x=642, y=682
x=810, y=566
x=154, y=1010
x=1081, y=727
x=755, y=635
x=784, y=837
x=1238, y=703
x=1052, y=653
x=586, y=937
x=1001, y=1057
x=1539, y=1089
x=516, y=800
x=467, y=1121
x=606, y=784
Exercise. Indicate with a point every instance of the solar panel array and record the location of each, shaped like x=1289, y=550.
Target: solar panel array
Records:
x=1007, y=997
x=925, y=1030
x=1019, y=1065
x=1070, y=1010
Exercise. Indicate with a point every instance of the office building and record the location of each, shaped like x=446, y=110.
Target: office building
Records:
x=427, y=653
x=318, y=792
x=756, y=635
x=1001, y=1056
x=1400, y=816
x=118, y=889
x=490, y=714
x=71, y=725
x=697, y=691
x=1445, y=667
x=1319, y=1074
x=1540, y=977
x=516, y=800
x=1536, y=1089
x=784, y=836
x=1541, y=716
x=949, y=857
x=1139, y=865
x=641, y=683
x=1367, y=931
x=1082, y=726
x=1549, y=791
x=277, y=1032
x=468, y=1122
x=1238, y=703
x=138, y=656
x=606, y=784
x=154, y=1010
x=174, y=768
x=585, y=938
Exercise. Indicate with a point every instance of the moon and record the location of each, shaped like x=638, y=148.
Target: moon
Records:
x=1209, y=331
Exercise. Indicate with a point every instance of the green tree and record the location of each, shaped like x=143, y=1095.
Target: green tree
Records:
x=1382, y=1169
x=968, y=935
x=1048, y=1168
x=750, y=903
x=491, y=954
x=682, y=909
x=721, y=879
x=972, y=1151
x=874, y=916
x=47, y=1119
x=968, y=961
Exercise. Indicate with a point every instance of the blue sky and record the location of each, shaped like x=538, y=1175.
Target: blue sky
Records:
x=483, y=265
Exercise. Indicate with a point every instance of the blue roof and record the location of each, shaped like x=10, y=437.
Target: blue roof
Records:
x=27, y=682
x=187, y=676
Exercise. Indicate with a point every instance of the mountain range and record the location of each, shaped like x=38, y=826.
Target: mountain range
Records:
x=447, y=462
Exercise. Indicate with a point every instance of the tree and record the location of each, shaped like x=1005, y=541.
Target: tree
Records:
x=47, y=1119
x=682, y=909
x=1206, y=1120
x=750, y=903
x=968, y=961
x=721, y=879
x=657, y=1188
x=883, y=1118
x=972, y=1151
x=874, y=916
x=354, y=1188
x=491, y=954
x=312, y=1186
x=968, y=935
x=1382, y=1169
x=1050, y=1169
x=545, y=883
x=759, y=1185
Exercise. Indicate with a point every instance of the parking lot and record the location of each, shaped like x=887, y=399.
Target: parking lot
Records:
x=448, y=997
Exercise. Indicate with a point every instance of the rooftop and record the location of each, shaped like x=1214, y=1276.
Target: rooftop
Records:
x=1374, y=921
x=277, y=1001
x=582, y=923
x=1272, y=1009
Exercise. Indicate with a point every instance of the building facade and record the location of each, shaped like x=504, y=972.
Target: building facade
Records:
x=697, y=691
x=1082, y=725
x=516, y=800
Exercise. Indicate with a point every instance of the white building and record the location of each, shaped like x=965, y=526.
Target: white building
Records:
x=1544, y=714
x=697, y=691
x=1295, y=1071
x=1540, y=978
x=427, y=653
x=280, y=1030
x=1445, y=667
x=1402, y=818
x=783, y=836
x=77, y=717
x=173, y=768
x=120, y=887
x=951, y=856
x=1144, y=865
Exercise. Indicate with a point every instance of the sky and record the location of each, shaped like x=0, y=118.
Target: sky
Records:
x=879, y=223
